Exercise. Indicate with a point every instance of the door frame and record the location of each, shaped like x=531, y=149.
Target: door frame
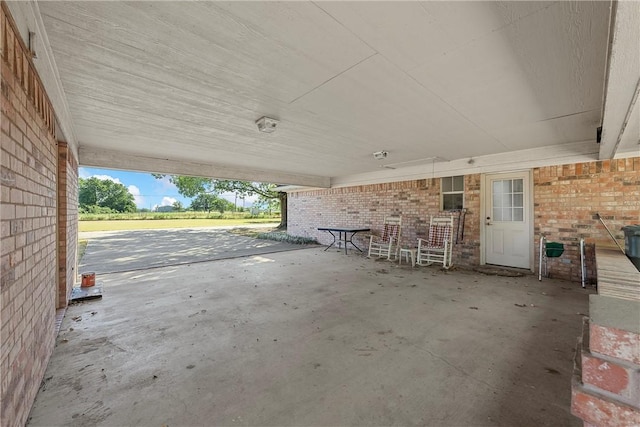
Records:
x=483, y=214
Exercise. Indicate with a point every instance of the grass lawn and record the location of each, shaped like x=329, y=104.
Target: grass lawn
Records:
x=138, y=224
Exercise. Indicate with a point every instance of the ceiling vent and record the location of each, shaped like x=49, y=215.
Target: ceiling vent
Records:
x=267, y=124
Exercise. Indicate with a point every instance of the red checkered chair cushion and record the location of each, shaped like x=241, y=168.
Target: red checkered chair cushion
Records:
x=390, y=230
x=438, y=234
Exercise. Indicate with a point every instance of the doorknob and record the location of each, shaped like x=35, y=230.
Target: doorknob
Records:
x=488, y=220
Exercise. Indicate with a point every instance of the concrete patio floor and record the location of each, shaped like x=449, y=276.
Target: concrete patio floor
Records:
x=315, y=338
x=116, y=251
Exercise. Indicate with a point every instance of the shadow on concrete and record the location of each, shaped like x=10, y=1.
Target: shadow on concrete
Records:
x=309, y=337
x=536, y=375
x=119, y=251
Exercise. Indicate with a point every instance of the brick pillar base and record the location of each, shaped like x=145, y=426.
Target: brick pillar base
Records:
x=606, y=381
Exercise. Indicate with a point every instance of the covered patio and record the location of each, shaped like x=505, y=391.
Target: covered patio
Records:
x=363, y=110
x=308, y=337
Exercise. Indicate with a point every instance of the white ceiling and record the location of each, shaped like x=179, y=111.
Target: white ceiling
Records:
x=185, y=81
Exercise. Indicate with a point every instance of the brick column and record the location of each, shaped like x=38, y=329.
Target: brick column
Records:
x=67, y=222
x=606, y=382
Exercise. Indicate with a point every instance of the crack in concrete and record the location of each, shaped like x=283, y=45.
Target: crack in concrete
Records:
x=465, y=373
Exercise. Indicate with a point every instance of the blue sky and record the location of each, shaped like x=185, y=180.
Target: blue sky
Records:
x=147, y=191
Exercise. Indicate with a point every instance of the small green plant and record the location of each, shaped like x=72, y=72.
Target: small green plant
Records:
x=280, y=236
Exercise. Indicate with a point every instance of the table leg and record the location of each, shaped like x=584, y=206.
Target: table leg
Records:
x=351, y=241
x=332, y=243
x=340, y=238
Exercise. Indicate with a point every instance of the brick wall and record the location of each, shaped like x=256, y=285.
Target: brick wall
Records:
x=606, y=380
x=368, y=205
x=28, y=286
x=67, y=222
x=567, y=198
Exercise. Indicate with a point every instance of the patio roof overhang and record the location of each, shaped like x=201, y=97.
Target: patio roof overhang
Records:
x=176, y=87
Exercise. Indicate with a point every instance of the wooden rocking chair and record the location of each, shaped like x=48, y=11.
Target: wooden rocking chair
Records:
x=387, y=245
x=439, y=245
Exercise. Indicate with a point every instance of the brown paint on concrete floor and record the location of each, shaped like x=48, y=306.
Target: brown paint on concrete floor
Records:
x=315, y=338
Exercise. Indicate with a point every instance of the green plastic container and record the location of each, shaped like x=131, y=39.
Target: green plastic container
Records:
x=554, y=249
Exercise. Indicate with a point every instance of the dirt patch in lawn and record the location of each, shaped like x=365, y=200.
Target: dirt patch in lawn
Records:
x=251, y=232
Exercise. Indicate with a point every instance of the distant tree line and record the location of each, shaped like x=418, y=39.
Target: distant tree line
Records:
x=211, y=202
x=104, y=196
x=97, y=195
x=205, y=191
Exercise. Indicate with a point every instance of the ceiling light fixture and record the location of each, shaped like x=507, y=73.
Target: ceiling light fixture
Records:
x=380, y=155
x=267, y=124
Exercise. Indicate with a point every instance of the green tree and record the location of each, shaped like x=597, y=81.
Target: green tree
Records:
x=177, y=206
x=192, y=186
x=94, y=193
x=268, y=205
x=210, y=202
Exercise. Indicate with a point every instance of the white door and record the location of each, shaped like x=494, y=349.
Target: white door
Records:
x=508, y=220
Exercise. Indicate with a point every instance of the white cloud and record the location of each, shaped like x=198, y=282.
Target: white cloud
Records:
x=167, y=201
x=139, y=200
x=165, y=184
x=82, y=173
x=107, y=177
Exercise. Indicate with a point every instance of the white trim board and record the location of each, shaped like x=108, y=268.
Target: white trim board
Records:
x=114, y=160
x=621, y=118
x=586, y=151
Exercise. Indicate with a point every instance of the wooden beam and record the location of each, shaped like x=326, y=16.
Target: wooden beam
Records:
x=623, y=79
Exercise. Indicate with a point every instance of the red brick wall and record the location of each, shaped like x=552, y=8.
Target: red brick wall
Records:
x=28, y=285
x=67, y=222
x=567, y=198
x=605, y=390
x=368, y=205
